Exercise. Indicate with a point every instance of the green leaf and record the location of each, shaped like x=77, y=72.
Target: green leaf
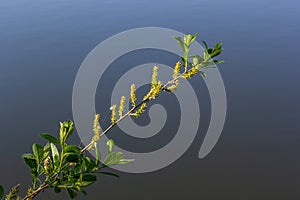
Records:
x=38, y=152
x=193, y=38
x=47, y=147
x=55, y=154
x=88, y=164
x=205, y=44
x=110, y=145
x=189, y=39
x=72, y=148
x=89, y=178
x=28, y=155
x=31, y=161
x=71, y=157
x=113, y=158
x=186, y=39
x=109, y=174
x=66, y=129
x=125, y=161
x=1, y=191
x=50, y=138
x=218, y=61
x=179, y=40
x=71, y=193
x=213, y=52
x=197, y=59
x=70, y=128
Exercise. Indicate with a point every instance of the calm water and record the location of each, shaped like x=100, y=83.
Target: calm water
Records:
x=43, y=43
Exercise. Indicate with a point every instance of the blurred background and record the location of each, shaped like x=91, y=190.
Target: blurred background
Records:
x=43, y=43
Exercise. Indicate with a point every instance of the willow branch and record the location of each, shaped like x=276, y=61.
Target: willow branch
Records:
x=86, y=148
x=131, y=111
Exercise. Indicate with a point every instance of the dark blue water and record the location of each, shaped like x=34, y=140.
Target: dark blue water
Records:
x=42, y=44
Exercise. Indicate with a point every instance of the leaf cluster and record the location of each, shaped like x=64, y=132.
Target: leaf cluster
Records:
x=63, y=166
x=198, y=62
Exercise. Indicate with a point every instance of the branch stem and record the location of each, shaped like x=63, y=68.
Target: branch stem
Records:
x=44, y=185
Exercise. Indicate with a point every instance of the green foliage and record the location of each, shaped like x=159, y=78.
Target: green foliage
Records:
x=50, y=138
x=66, y=129
x=63, y=166
x=114, y=158
x=185, y=47
x=199, y=62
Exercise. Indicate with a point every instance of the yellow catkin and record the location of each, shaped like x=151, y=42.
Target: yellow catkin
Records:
x=133, y=95
x=155, y=85
x=122, y=106
x=192, y=72
x=96, y=128
x=156, y=90
x=140, y=110
x=113, y=114
x=176, y=69
x=47, y=165
x=154, y=76
x=176, y=73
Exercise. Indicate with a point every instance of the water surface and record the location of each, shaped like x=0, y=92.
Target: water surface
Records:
x=42, y=44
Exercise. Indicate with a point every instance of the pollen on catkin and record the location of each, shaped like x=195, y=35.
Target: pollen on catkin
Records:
x=155, y=85
x=122, y=106
x=154, y=76
x=156, y=90
x=47, y=165
x=113, y=114
x=140, y=110
x=176, y=69
x=192, y=72
x=96, y=128
x=133, y=95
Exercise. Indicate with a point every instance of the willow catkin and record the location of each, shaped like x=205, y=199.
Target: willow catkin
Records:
x=154, y=76
x=96, y=128
x=192, y=72
x=122, y=106
x=133, y=95
x=176, y=70
x=140, y=110
x=47, y=165
x=113, y=114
